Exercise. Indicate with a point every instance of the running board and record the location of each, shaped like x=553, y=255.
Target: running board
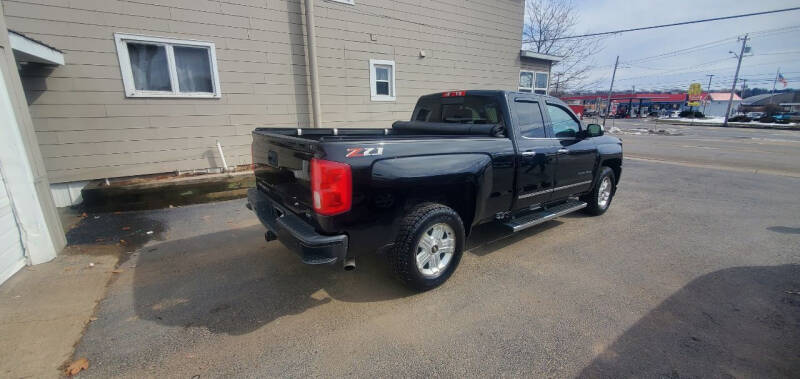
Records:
x=543, y=215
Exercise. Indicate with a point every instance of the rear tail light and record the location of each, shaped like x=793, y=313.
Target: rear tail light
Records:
x=331, y=187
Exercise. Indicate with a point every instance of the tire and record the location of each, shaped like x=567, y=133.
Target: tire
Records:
x=447, y=230
x=596, y=206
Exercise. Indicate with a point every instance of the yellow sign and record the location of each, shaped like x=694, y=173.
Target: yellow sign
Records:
x=695, y=93
x=694, y=104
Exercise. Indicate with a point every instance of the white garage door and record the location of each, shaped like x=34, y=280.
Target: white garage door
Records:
x=11, y=253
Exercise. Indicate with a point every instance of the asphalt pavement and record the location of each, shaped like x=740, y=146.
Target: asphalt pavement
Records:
x=693, y=272
x=738, y=149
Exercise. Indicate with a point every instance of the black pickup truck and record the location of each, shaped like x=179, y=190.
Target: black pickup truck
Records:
x=414, y=192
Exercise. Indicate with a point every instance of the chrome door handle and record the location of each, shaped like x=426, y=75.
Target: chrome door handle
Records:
x=563, y=151
x=528, y=153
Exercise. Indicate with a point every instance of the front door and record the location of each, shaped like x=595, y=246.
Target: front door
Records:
x=576, y=156
x=536, y=155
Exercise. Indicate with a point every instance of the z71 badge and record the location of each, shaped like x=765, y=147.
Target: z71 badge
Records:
x=353, y=152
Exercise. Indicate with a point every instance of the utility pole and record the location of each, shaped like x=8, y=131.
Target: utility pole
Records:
x=708, y=93
x=558, y=79
x=744, y=85
x=735, y=78
x=608, y=106
x=772, y=93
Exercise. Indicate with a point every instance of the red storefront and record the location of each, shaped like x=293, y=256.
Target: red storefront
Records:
x=628, y=105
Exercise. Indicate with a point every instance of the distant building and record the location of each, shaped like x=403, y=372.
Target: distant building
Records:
x=630, y=104
x=717, y=103
x=788, y=101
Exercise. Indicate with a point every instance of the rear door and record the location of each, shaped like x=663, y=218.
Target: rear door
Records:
x=576, y=156
x=536, y=154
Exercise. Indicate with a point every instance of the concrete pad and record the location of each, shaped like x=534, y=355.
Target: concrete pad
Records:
x=45, y=308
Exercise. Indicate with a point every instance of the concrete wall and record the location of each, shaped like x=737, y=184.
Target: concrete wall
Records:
x=88, y=129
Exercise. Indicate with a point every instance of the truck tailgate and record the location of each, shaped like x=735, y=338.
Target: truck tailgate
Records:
x=281, y=165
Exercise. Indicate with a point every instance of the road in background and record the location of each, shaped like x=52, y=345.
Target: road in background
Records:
x=693, y=272
x=741, y=149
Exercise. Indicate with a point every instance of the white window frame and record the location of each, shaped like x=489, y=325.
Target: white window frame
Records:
x=534, y=88
x=392, y=80
x=348, y=2
x=127, y=73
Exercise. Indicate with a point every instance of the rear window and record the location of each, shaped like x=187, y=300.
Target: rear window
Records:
x=462, y=110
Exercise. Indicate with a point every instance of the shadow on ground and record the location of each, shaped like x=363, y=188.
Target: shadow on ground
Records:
x=233, y=282
x=738, y=322
x=784, y=229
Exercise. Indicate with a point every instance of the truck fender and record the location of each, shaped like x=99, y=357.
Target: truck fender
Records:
x=609, y=154
x=450, y=175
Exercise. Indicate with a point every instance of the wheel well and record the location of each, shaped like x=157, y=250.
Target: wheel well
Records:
x=460, y=197
x=616, y=165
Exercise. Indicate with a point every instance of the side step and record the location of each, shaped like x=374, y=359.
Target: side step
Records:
x=542, y=215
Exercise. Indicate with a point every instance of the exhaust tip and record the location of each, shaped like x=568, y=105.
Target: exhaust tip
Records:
x=349, y=264
x=270, y=236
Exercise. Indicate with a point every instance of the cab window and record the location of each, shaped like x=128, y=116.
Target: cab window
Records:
x=564, y=125
x=531, y=123
x=461, y=110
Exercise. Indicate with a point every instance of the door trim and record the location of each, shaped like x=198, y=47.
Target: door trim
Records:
x=527, y=195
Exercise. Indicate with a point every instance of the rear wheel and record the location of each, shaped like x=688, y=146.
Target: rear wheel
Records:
x=428, y=246
x=600, y=198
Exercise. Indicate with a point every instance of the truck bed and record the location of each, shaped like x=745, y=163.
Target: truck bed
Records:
x=357, y=134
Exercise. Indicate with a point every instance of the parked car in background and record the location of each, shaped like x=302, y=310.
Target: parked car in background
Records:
x=754, y=115
x=789, y=116
x=675, y=113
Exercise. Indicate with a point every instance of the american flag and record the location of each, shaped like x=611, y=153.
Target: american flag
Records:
x=782, y=80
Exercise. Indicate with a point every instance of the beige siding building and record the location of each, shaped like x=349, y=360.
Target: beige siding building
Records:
x=150, y=86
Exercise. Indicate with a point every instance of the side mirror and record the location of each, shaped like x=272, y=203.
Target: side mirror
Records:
x=594, y=130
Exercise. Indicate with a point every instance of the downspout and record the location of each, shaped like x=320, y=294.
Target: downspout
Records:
x=316, y=108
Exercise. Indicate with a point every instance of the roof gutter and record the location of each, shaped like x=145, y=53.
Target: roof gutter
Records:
x=535, y=55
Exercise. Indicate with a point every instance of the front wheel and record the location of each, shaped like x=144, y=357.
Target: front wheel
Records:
x=600, y=198
x=428, y=246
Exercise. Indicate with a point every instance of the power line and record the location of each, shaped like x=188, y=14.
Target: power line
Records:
x=708, y=45
x=675, y=24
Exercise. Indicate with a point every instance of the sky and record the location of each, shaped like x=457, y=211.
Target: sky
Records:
x=775, y=43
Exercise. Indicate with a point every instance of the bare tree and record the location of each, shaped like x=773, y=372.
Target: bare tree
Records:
x=546, y=22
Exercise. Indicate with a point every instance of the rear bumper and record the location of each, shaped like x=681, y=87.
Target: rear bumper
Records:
x=295, y=233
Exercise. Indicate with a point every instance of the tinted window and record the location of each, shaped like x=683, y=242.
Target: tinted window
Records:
x=563, y=123
x=461, y=109
x=531, y=123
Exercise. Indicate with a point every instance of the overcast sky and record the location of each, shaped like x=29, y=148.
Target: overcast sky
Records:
x=775, y=42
